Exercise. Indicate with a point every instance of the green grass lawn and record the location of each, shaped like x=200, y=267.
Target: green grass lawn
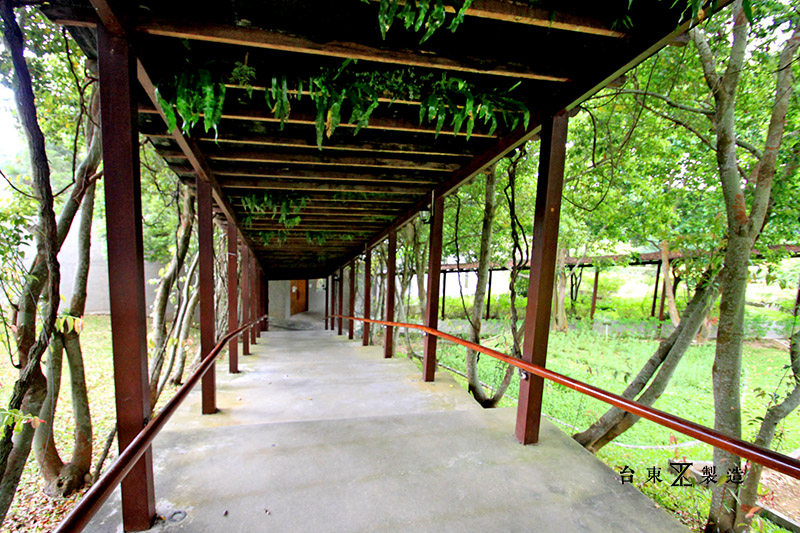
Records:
x=609, y=363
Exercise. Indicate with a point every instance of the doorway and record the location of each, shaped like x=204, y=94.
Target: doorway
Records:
x=299, y=296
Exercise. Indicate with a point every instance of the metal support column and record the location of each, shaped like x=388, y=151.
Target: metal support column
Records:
x=251, y=264
x=341, y=300
x=434, y=274
x=266, y=303
x=332, y=320
x=351, y=310
x=205, y=283
x=245, y=290
x=542, y=273
x=233, y=298
x=391, y=266
x=367, y=295
x=118, y=87
x=327, y=301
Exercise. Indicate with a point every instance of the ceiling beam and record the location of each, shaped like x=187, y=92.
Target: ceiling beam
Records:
x=288, y=185
x=285, y=141
x=326, y=160
x=392, y=121
x=524, y=13
x=234, y=170
x=273, y=40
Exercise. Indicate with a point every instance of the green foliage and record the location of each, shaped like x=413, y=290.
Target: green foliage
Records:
x=14, y=418
x=283, y=205
x=281, y=236
x=193, y=92
x=318, y=238
x=419, y=15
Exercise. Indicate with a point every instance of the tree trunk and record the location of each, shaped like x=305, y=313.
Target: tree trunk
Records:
x=420, y=256
x=159, y=324
x=743, y=228
x=186, y=326
x=669, y=292
x=559, y=297
x=748, y=493
x=664, y=361
x=30, y=389
x=479, y=300
x=179, y=318
x=63, y=479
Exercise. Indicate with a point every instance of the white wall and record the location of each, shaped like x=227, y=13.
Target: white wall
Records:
x=97, y=301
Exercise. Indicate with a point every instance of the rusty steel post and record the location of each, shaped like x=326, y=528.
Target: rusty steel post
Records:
x=542, y=273
x=367, y=295
x=434, y=273
x=126, y=287
x=351, y=311
x=233, y=298
x=245, y=290
x=251, y=264
x=333, y=301
x=205, y=283
x=327, y=300
x=256, y=299
x=341, y=300
x=391, y=267
x=594, y=292
x=655, y=290
x=266, y=301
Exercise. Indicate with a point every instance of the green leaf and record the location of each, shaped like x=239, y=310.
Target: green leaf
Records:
x=168, y=110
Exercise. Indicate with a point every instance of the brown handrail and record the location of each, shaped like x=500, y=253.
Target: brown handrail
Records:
x=88, y=506
x=763, y=456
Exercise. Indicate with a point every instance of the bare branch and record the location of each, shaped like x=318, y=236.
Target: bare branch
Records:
x=669, y=101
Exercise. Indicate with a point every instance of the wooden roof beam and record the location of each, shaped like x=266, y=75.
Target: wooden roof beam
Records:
x=524, y=13
x=326, y=160
x=284, y=141
x=274, y=40
x=398, y=122
x=280, y=185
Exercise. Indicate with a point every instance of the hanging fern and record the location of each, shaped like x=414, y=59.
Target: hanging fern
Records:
x=191, y=93
x=284, y=206
x=318, y=238
x=335, y=91
x=266, y=236
x=419, y=15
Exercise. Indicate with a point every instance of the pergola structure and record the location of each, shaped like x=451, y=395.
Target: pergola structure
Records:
x=365, y=186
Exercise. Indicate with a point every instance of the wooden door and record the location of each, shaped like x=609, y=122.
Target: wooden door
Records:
x=299, y=296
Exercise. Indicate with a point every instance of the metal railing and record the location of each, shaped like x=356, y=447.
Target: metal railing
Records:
x=746, y=450
x=94, y=498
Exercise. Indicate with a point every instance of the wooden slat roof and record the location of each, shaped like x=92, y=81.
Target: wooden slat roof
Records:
x=358, y=187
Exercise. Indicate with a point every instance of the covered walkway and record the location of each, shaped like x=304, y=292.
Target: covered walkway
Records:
x=327, y=435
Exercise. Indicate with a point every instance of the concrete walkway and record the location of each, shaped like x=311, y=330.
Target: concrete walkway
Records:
x=319, y=434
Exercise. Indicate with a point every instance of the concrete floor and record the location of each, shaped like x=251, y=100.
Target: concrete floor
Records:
x=318, y=433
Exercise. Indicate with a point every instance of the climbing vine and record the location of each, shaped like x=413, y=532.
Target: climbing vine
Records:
x=284, y=206
x=430, y=15
x=193, y=93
